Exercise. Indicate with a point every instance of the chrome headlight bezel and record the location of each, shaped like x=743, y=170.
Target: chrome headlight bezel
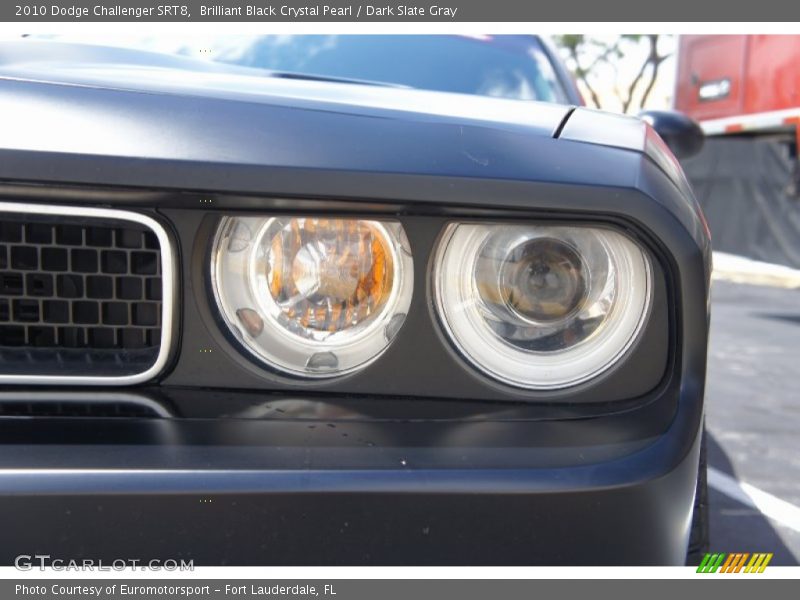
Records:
x=235, y=278
x=454, y=293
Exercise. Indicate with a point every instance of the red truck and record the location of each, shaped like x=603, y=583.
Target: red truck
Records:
x=736, y=83
x=744, y=90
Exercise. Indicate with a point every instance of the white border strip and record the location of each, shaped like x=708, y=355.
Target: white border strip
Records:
x=168, y=292
x=271, y=575
x=397, y=27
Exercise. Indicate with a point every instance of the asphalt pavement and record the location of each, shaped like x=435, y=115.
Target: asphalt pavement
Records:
x=753, y=420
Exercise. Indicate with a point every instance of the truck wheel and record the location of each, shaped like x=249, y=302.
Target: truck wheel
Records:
x=698, y=539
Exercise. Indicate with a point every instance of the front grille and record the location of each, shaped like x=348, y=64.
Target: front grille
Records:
x=79, y=296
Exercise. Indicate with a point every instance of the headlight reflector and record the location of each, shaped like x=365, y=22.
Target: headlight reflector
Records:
x=541, y=307
x=313, y=297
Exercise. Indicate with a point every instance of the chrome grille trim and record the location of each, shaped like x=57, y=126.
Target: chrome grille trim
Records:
x=169, y=293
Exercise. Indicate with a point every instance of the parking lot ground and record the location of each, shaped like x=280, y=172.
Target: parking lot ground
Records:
x=753, y=420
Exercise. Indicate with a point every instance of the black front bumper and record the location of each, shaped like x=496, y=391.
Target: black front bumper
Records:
x=318, y=491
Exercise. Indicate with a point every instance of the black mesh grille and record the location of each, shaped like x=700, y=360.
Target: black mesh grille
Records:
x=78, y=296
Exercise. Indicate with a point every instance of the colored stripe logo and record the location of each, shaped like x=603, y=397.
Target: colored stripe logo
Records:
x=736, y=562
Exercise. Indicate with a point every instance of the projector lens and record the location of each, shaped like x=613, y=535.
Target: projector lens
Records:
x=538, y=306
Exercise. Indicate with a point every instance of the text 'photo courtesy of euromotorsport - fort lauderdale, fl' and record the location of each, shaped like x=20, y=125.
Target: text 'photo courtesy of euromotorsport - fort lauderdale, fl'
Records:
x=245, y=11
x=185, y=590
x=288, y=312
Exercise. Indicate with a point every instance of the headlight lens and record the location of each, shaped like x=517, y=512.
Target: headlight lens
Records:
x=310, y=296
x=541, y=307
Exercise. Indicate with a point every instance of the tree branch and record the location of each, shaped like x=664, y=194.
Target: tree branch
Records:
x=655, y=60
x=581, y=74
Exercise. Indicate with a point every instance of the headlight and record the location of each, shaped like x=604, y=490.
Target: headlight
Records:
x=310, y=296
x=541, y=307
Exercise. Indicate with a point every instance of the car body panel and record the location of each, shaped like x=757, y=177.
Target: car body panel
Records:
x=426, y=472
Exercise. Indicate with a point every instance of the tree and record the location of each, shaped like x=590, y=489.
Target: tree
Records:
x=587, y=55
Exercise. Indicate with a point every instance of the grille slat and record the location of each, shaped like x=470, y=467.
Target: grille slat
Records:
x=79, y=296
x=80, y=404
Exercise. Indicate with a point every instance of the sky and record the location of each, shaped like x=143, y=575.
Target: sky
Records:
x=607, y=79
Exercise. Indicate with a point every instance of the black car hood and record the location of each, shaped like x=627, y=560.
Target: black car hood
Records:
x=87, y=115
x=76, y=120
x=151, y=73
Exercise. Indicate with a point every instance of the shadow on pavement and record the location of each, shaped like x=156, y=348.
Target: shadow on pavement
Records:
x=786, y=318
x=735, y=527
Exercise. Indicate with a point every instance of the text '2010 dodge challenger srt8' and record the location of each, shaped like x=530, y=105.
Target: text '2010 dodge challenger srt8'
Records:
x=278, y=320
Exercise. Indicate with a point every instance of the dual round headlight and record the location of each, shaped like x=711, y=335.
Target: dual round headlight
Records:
x=532, y=306
x=541, y=307
x=313, y=297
